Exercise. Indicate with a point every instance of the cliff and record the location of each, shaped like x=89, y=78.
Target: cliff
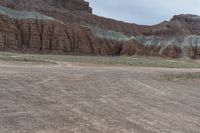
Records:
x=69, y=27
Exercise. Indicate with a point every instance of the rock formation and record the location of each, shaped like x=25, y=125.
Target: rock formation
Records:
x=69, y=27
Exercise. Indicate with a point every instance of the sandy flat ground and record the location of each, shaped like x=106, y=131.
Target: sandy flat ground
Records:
x=72, y=98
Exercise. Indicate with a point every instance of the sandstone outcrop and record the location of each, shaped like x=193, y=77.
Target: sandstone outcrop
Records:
x=69, y=27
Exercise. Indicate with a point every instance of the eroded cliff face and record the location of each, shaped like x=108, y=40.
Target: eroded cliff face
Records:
x=34, y=32
x=69, y=27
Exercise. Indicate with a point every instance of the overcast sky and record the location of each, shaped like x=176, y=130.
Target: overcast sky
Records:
x=144, y=11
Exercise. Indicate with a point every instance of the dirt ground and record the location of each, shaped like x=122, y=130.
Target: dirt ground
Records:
x=72, y=98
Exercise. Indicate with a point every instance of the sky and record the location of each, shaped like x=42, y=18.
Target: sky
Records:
x=145, y=12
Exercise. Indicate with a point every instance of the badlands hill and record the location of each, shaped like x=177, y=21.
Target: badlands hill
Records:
x=69, y=27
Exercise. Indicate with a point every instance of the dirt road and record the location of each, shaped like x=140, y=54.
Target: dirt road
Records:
x=69, y=98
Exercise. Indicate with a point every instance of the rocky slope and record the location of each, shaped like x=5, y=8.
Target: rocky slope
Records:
x=69, y=27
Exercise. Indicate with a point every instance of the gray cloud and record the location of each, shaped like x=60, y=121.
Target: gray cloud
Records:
x=144, y=11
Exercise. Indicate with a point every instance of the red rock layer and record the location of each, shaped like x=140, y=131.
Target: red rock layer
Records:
x=67, y=34
x=49, y=36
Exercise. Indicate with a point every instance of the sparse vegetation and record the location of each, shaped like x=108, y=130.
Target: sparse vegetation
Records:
x=122, y=60
x=15, y=57
x=181, y=76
